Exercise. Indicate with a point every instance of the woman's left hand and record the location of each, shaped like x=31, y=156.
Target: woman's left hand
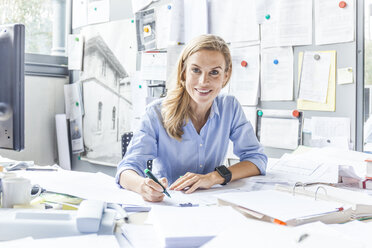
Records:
x=195, y=181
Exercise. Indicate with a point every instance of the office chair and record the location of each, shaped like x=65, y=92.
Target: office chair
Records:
x=125, y=139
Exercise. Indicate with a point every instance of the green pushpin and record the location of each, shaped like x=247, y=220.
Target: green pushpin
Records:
x=79, y=158
x=140, y=86
x=95, y=9
x=259, y=113
x=132, y=21
x=77, y=104
x=267, y=17
x=77, y=38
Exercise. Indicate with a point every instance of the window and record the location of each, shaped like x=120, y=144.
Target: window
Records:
x=113, y=117
x=99, y=117
x=45, y=22
x=103, y=72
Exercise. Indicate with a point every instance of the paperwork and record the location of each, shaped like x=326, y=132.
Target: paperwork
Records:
x=175, y=228
x=293, y=210
x=277, y=74
x=154, y=66
x=75, y=45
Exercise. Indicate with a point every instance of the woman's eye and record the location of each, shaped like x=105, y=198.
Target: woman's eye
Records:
x=195, y=70
x=214, y=72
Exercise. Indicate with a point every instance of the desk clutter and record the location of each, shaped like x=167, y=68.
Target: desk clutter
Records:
x=318, y=201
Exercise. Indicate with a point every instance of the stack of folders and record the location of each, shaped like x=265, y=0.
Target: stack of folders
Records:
x=286, y=209
x=192, y=226
x=361, y=203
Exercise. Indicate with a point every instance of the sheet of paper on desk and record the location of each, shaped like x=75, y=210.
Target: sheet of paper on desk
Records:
x=90, y=240
x=95, y=186
x=192, y=227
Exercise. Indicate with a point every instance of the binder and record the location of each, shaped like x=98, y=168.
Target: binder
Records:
x=286, y=209
x=361, y=203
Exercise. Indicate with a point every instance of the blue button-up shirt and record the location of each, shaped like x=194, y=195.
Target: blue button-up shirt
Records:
x=197, y=153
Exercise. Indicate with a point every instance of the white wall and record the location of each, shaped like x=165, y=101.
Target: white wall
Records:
x=44, y=98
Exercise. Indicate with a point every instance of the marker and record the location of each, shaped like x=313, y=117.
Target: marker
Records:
x=150, y=175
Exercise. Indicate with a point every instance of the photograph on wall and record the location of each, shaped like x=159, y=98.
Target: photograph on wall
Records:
x=109, y=55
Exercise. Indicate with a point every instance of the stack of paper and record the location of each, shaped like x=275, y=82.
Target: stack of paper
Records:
x=193, y=226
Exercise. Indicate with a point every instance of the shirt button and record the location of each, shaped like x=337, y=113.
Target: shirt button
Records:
x=201, y=166
x=201, y=144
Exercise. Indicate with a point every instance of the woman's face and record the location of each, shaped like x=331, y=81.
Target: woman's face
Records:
x=205, y=76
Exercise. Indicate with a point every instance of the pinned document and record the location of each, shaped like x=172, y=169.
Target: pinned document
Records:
x=98, y=11
x=330, y=103
x=79, y=13
x=345, y=75
x=75, y=46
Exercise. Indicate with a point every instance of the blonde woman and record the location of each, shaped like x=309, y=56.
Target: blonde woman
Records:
x=187, y=133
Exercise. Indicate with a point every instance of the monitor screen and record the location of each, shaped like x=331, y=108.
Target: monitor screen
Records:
x=12, y=53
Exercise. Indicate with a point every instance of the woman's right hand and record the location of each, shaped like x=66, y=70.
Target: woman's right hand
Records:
x=152, y=191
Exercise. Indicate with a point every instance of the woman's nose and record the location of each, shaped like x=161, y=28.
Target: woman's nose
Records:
x=203, y=78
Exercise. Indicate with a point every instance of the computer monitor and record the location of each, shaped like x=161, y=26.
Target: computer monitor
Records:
x=12, y=54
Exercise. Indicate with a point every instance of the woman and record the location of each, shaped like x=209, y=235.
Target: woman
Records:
x=187, y=133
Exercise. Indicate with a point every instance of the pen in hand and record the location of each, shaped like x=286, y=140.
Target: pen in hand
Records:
x=150, y=175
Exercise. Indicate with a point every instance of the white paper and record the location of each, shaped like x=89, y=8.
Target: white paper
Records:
x=98, y=11
x=279, y=133
x=189, y=19
x=332, y=23
x=75, y=45
x=327, y=127
x=277, y=79
x=86, y=185
x=139, y=94
x=73, y=101
x=287, y=206
x=290, y=24
x=138, y=5
x=79, y=13
x=163, y=22
x=154, y=66
x=295, y=165
x=345, y=75
x=244, y=82
x=233, y=20
x=315, y=76
x=263, y=8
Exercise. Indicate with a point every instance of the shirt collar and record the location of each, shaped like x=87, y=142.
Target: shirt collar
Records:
x=214, y=109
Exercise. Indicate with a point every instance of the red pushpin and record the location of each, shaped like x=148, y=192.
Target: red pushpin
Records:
x=244, y=63
x=342, y=4
x=295, y=113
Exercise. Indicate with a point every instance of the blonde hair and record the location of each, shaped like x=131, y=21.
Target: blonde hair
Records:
x=176, y=106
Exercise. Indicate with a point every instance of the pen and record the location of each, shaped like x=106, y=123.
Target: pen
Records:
x=150, y=175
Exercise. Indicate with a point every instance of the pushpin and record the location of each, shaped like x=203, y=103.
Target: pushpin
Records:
x=179, y=43
x=79, y=158
x=95, y=9
x=77, y=38
x=295, y=113
x=267, y=17
x=132, y=21
x=244, y=63
x=169, y=7
x=77, y=104
x=259, y=113
x=140, y=86
x=342, y=4
x=146, y=29
x=276, y=61
x=316, y=56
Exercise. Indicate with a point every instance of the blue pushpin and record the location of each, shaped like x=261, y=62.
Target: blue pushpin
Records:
x=276, y=61
x=169, y=7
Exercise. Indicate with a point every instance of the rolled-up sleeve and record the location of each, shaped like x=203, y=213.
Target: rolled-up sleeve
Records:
x=246, y=145
x=142, y=147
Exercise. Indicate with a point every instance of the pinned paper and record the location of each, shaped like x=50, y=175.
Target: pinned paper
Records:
x=345, y=76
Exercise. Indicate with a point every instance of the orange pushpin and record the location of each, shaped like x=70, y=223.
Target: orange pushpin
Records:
x=295, y=113
x=146, y=29
x=342, y=4
x=244, y=63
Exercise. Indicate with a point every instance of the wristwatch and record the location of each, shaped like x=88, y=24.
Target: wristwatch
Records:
x=225, y=173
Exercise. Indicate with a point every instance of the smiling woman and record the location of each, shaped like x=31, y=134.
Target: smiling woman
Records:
x=187, y=133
